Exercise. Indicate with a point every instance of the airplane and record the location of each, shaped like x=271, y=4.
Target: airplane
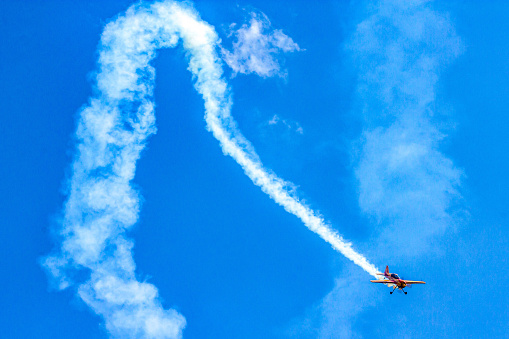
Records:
x=393, y=280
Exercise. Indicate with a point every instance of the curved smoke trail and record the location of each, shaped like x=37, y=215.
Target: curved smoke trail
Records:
x=111, y=133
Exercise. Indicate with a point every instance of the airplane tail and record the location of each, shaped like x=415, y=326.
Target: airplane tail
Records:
x=386, y=271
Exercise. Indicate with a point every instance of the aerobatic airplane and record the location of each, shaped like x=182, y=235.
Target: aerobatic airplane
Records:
x=394, y=281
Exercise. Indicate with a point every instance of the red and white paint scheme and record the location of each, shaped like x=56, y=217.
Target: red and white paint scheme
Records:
x=394, y=281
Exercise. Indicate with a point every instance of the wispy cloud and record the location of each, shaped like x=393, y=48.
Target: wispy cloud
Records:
x=288, y=124
x=334, y=316
x=404, y=180
x=112, y=130
x=258, y=47
x=406, y=185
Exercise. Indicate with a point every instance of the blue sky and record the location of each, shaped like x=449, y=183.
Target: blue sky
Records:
x=388, y=118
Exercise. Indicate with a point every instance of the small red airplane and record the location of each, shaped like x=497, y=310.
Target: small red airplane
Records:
x=394, y=281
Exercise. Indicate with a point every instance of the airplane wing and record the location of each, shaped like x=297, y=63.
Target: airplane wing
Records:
x=409, y=282
x=383, y=281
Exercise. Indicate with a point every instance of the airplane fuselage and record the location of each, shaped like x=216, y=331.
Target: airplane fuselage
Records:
x=395, y=279
x=398, y=282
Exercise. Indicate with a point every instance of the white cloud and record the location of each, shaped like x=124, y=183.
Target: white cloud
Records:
x=256, y=51
x=335, y=315
x=405, y=181
x=274, y=120
x=407, y=186
x=288, y=124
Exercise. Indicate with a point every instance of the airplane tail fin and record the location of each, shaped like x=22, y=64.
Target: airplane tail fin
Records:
x=386, y=271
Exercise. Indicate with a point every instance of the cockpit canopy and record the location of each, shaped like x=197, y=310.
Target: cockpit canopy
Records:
x=394, y=275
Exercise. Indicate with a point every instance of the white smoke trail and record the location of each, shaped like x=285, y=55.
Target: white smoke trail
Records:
x=112, y=131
